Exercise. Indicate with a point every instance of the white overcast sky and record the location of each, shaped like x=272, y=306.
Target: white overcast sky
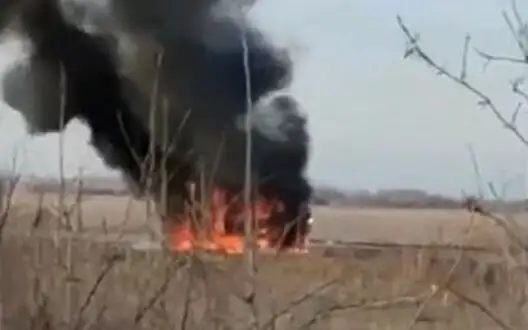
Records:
x=377, y=121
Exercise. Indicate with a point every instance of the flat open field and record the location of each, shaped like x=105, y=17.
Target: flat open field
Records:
x=95, y=280
x=422, y=226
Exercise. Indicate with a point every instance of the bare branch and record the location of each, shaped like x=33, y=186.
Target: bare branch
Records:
x=484, y=100
x=305, y=297
x=249, y=224
x=515, y=113
x=484, y=309
x=400, y=302
x=171, y=271
x=437, y=288
x=463, y=71
x=520, y=20
x=102, y=275
x=476, y=170
x=7, y=201
x=187, y=304
x=498, y=58
x=505, y=225
x=515, y=35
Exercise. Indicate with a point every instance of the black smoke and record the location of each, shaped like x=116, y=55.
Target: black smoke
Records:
x=196, y=56
x=61, y=53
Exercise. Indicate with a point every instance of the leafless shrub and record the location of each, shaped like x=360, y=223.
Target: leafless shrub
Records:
x=515, y=248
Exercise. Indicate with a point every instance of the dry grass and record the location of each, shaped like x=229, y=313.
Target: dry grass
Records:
x=97, y=280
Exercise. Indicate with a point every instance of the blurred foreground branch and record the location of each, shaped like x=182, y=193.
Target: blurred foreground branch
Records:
x=415, y=49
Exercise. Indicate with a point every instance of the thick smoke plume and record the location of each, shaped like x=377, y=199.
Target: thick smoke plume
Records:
x=195, y=58
x=61, y=54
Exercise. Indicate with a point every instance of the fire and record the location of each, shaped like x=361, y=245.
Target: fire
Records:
x=184, y=239
x=224, y=230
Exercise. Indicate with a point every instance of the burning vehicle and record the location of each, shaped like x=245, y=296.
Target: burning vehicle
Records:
x=224, y=229
x=164, y=85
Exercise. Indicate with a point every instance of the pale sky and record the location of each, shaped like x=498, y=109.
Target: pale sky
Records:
x=377, y=121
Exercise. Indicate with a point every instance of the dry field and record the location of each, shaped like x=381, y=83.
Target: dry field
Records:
x=368, y=269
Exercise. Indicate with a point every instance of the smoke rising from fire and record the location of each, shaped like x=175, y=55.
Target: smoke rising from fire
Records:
x=196, y=57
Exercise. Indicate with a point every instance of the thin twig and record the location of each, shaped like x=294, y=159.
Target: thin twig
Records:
x=249, y=230
x=476, y=170
x=172, y=269
x=440, y=286
x=154, y=102
x=401, y=302
x=187, y=304
x=472, y=302
x=484, y=100
x=7, y=202
x=91, y=294
x=63, y=85
x=463, y=70
x=515, y=35
x=498, y=58
x=296, y=302
x=515, y=113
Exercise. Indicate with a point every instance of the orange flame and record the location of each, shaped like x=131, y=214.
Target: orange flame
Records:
x=225, y=232
x=184, y=239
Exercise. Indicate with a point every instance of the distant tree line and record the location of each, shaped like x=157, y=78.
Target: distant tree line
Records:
x=408, y=199
x=105, y=186
x=397, y=198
